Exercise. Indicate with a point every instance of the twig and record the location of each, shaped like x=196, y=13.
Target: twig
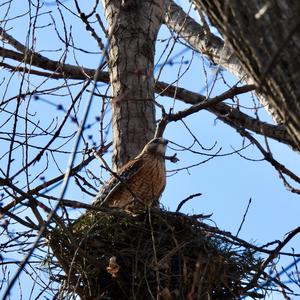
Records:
x=64, y=187
x=54, y=180
x=244, y=217
x=19, y=220
x=272, y=256
x=92, y=31
x=154, y=253
x=186, y=200
x=56, y=134
x=231, y=116
x=269, y=157
x=205, y=104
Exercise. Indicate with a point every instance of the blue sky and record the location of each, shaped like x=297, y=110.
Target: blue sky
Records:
x=226, y=182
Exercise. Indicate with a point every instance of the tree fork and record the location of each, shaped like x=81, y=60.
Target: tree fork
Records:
x=133, y=27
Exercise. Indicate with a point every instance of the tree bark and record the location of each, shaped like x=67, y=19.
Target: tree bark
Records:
x=133, y=27
x=265, y=36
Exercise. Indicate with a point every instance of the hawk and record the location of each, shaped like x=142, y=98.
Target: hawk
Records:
x=140, y=182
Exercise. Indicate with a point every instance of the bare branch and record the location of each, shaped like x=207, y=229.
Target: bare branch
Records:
x=233, y=117
x=269, y=157
x=271, y=257
x=54, y=180
x=206, y=43
x=182, y=202
x=211, y=46
x=230, y=116
x=206, y=104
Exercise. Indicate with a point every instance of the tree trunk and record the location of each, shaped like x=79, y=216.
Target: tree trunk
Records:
x=133, y=27
x=265, y=35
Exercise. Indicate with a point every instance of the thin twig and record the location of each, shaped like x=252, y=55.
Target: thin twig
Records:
x=244, y=217
x=64, y=187
x=271, y=257
x=186, y=200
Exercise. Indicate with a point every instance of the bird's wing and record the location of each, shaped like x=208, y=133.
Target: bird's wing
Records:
x=112, y=185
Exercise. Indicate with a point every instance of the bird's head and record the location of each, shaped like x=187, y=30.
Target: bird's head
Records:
x=156, y=146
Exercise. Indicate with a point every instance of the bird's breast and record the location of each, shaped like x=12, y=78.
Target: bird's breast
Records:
x=144, y=187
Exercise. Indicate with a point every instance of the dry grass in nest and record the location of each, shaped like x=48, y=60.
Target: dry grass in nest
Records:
x=152, y=255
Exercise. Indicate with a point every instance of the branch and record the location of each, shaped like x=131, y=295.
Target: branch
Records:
x=19, y=220
x=89, y=28
x=54, y=180
x=51, y=215
x=230, y=116
x=20, y=69
x=280, y=168
x=205, y=104
x=70, y=71
x=182, y=202
x=33, y=204
x=56, y=134
x=202, y=41
x=7, y=38
x=32, y=200
x=214, y=48
x=271, y=257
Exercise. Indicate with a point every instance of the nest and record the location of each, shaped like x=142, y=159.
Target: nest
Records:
x=152, y=255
